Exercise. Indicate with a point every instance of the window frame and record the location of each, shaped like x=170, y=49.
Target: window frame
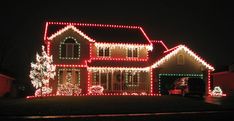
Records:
x=65, y=45
x=103, y=50
x=60, y=77
x=130, y=78
x=132, y=52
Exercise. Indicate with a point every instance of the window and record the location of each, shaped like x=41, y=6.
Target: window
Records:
x=132, y=79
x=180, y=59
x=133, y=52
x=101, y=78
x=104, y=52
x=69, y=75
x=69, y=49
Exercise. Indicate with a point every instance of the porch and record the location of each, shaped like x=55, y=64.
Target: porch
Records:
x=121, y=80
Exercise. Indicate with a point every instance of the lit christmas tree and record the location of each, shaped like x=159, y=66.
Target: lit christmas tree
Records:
x=41, y=73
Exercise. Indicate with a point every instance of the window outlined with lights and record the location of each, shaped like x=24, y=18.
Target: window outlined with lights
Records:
x=103, y=52
x=69, y=49
x=133, y=52
x=69, y=75
x=102, y=78
x=132, y=78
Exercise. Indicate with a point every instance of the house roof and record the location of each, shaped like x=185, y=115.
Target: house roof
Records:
x=100, y=32
x=173, y=51
x=5, y=76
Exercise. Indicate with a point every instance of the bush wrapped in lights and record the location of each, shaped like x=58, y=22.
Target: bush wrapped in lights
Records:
x=45, y=91
x=68, y=89
x=96, y=90
x=217, y=92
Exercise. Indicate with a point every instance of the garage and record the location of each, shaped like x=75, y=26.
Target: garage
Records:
x=181, y=84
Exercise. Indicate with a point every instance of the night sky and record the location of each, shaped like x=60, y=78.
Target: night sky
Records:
x=207, y=27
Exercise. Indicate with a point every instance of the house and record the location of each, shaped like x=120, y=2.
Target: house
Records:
x=122, y=59
x=5, y=84
x=225, y=80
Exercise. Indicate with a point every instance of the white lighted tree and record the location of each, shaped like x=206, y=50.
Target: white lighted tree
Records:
x=41, y=73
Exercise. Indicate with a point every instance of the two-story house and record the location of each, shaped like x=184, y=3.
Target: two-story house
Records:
x=122, y=59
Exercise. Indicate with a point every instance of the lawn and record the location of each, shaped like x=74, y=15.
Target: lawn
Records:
x=102, y=105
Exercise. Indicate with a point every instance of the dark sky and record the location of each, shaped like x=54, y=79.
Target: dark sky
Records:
x=207, y=27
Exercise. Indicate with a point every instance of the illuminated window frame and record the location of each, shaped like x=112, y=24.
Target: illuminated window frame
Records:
x=69, y=69
x=127, y=73
x=63, y=42
x=99, y=73
x=132, y=51
x=104, y=53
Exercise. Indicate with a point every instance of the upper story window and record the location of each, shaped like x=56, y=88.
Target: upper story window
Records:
x=180, y=59
x=133, y=52
x=104, y=52
x=69, y=49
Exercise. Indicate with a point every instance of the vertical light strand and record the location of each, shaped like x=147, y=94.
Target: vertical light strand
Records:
x=151, y=81
x=88, y=83
x=159, y=84
x=208, y=81
x=48, y=48
x=90, y=51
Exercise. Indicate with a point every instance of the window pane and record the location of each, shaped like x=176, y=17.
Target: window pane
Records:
x=76, y=50
x=69, y=50
x=135, y=79
x=130, y=78
x=129, y=52
x=63, y=50
x=100, y=52
x=135, y=52
x=106, y=51
x=69, y=76
x=104, y=80
x=60, y=77
x=77, y=77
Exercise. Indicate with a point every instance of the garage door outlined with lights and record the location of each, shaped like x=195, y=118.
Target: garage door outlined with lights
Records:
x=166, y=81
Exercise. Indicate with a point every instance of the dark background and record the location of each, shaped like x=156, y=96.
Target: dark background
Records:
x=204, y=26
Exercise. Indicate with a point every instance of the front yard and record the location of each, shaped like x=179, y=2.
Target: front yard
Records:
x=103, y=105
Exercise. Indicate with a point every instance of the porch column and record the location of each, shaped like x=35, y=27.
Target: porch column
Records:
x=156, y=82
x=99, y=77
x=207, y=81
x=121, y=81
x=107, y=79
x=112, y=80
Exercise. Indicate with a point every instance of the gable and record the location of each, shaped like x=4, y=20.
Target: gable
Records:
x=58, y=43
x=67, y=28
x=190, y=56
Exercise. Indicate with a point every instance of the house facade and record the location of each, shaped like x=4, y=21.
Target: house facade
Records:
x=121, y=59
